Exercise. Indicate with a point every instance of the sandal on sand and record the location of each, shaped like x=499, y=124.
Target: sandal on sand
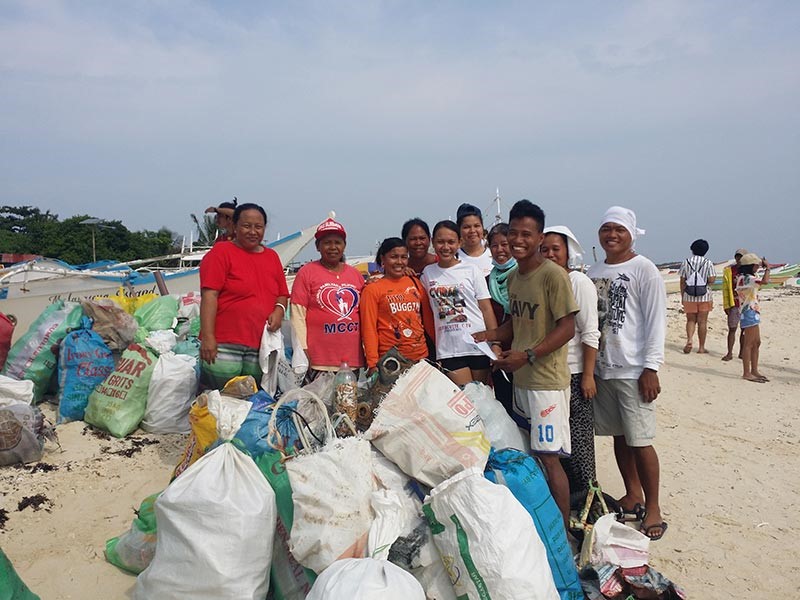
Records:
x=662, y=526
x=637, y=513
x=687, y=348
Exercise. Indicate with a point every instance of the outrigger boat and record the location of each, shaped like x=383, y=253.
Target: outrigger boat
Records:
x=27, y=288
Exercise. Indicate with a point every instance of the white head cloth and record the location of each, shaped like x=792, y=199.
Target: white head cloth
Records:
x=574, y=248
x=625, y=217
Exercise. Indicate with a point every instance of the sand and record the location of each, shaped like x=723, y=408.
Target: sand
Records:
x=728, y=451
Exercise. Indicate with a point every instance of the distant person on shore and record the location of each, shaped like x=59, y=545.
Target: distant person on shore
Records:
x=503, y=265
x=633, y=317
x=223, y=218
x=325, y=305
x=562, y=247
x=543, y=310
x=730, y=302
x=470, y=228
x=697, y=274
x=750, y=315
x=417, y=237
x=242, y=288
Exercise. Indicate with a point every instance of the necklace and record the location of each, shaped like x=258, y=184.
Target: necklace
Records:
x=336, y=269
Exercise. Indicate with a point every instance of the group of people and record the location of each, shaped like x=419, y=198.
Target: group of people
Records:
x=739, y=300
x=573, y=354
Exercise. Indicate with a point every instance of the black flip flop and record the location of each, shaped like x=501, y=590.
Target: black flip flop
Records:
x=662, y=526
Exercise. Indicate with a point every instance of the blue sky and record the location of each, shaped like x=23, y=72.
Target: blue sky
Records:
x=146, y=112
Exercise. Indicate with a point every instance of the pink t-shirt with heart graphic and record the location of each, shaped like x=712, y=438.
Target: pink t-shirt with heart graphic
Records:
x=331, y=301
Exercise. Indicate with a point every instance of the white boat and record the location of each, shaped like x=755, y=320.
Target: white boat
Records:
x=27, y=288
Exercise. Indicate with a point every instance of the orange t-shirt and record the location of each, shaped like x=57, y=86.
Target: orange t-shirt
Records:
x=391, y=316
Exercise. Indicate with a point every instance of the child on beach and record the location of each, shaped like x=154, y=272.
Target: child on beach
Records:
x=461, y=304
x=750, y=316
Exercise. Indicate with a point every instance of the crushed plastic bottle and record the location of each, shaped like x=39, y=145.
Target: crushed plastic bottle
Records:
x=345, y=392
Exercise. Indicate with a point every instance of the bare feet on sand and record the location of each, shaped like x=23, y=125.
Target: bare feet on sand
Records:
x=755, y=378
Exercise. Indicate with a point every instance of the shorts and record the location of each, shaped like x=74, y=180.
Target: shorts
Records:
x=547, y=411
x=733, y=317
x=620, y=410
x=749, y=318
x=692, y=308
x=476, y=362
x=232, y=360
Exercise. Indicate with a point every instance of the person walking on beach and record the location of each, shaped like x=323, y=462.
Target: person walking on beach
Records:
x=730, y=302
x=632, y=316
x=697, y=274
x=750, y=314
x=542, y=309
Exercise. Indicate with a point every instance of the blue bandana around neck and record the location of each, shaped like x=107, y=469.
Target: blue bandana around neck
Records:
x=498, y=287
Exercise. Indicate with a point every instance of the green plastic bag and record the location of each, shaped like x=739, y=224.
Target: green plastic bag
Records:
x=288, y=580
x=133, y=550
x=32, y=357
x=11, y=586
x=118, y=404
x=158, y=314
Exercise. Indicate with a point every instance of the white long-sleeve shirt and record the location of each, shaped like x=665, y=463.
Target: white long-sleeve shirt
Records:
x=632, y=310
x=586, y=324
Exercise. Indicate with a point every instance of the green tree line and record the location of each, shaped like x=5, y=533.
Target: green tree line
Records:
x=28, y=230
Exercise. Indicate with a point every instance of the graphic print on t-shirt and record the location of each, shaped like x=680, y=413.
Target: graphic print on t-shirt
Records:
x=340, y=300
x=611, y=299
x=449, y=303
x=399, y=303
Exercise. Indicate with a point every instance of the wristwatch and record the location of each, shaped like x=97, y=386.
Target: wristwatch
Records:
x=531, y=356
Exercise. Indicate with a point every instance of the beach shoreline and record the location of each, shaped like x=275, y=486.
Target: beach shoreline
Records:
x=727, y=448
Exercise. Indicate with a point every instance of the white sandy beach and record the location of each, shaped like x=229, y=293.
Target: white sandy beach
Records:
x=728, y=451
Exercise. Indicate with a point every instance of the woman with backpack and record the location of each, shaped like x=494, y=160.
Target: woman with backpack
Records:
x=697, y=274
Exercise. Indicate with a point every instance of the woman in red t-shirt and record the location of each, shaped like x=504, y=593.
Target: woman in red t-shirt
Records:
x=392, y=308
x=325, y=298
x=243, y=288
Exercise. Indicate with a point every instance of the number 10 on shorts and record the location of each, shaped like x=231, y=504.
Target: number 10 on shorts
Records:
x=546, y=433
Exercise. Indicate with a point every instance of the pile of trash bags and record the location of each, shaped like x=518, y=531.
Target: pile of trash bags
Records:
x=103, y=365
x=271, y=500
x=430, y=493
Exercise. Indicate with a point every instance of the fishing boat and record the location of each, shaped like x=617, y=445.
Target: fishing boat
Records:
x=27, y=288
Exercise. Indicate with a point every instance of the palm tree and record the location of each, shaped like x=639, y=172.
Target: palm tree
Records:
x=207, y=230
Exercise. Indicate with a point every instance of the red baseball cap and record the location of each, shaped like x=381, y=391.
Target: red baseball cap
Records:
x=329, y=226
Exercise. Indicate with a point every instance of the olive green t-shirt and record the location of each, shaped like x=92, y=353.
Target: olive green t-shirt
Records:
x=536, y=301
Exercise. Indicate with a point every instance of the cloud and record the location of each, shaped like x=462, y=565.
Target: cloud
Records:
x=421, y=105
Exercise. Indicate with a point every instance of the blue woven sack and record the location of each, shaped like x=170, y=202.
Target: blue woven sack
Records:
x=84, y=361
x=523, y=477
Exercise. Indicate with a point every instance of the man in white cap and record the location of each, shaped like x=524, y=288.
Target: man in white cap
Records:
x=632, y=314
